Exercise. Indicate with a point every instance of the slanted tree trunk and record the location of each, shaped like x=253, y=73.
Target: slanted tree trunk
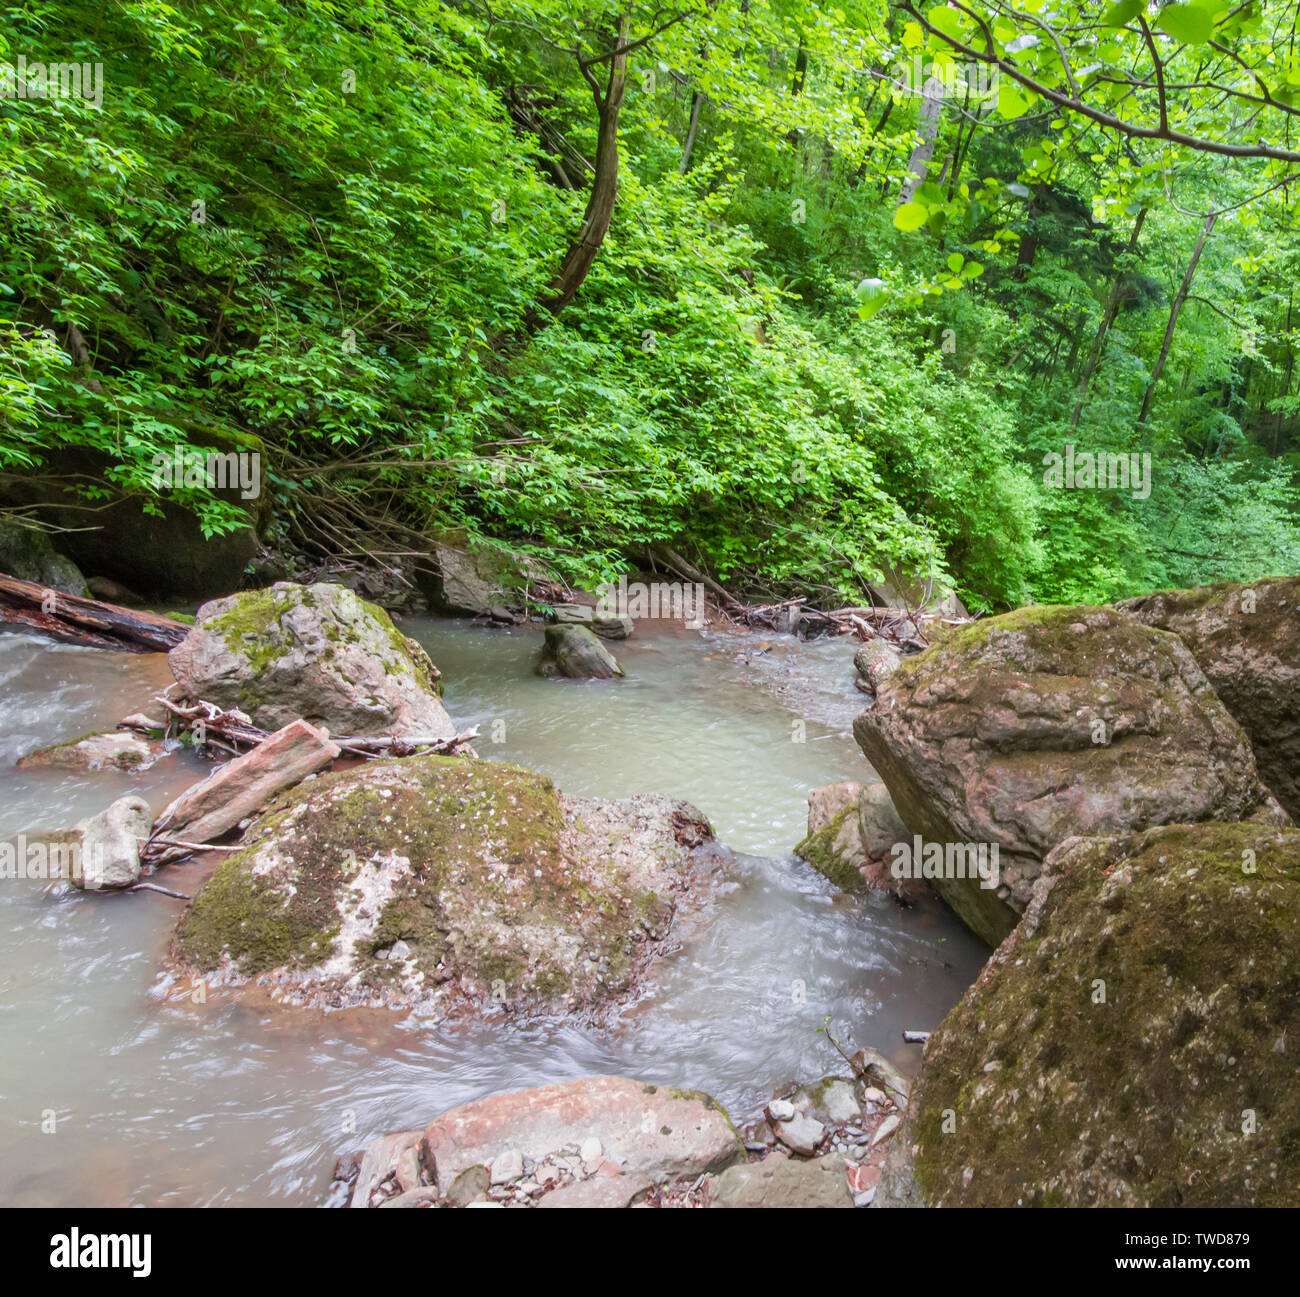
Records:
x=697, y=105
x=1113, y=300
x=927, y=132
x=604, y=186
x=1186, y=287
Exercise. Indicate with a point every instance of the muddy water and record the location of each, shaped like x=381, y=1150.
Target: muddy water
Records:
x=108, y=1096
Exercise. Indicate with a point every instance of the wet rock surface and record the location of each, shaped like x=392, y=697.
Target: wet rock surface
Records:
x=1029, y=728
x=1131, y=1043
x=113, y=750
x=571, y=650
x=852, y=830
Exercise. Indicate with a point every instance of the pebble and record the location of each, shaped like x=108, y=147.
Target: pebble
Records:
x=780, y=1110
x=508, y=1166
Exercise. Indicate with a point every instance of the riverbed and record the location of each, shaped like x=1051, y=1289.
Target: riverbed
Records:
x=114, y=1096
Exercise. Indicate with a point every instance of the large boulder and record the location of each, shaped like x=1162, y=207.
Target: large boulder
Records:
x=1132, y=1043
x=29, y=554
x=1246, y=638
x=573, y=651
x=318, y=653
x=450, y=885
x=1020, y=731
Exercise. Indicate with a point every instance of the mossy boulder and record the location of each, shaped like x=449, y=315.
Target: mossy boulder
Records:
x=1046, y=723
x=1246, y=638
x=851, y=830
x=318, y=653
x=1134, y=1042
x=29, y=554
x=447, y=885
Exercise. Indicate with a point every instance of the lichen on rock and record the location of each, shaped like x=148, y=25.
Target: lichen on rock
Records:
x=447, y=885
x=1132, y=1043
x=317, y=653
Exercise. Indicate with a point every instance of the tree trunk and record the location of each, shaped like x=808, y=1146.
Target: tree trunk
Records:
x=1107, y=319
x=697, y=105
x=604, y=186
x=927, y=132
x=1174, y=310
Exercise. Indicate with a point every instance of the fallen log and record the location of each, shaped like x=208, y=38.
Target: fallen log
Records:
x=88, y=622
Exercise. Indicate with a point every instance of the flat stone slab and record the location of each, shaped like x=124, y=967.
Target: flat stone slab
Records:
x=653, y=1131
x=784, y=1182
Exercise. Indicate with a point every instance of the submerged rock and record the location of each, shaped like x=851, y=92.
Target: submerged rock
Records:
x=505, y=893
x=1020, y=731
x=1246, y=638
x=318, y=653
x=1131, y=1043
x=572, y=650
x=114, y=750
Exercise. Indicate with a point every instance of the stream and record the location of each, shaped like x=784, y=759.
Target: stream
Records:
x=114, y=1097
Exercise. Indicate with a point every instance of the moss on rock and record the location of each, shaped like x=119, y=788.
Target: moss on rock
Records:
x=1134, y=1041
x=503, y=891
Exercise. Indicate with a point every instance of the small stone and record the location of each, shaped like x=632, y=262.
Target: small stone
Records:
x=508, y=1166
x=886, y=1129
x=471, y=1183
x=780, y=1110
x=801, y=1134
x=591, y=1151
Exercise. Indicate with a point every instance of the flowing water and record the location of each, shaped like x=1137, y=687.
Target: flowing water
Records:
x=111, y=1096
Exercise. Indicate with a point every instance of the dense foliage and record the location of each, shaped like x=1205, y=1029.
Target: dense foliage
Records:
x=331, y=234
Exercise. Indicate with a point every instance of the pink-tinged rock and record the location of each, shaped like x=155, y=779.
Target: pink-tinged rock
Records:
x=242, y=787
x=390, y=1154
x=653, y=1131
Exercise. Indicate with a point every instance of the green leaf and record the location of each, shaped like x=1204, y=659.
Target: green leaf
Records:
x=1187, y=23
x=911, y=216
x=955, y=262
x=1122, y=12
x=1012, y=101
